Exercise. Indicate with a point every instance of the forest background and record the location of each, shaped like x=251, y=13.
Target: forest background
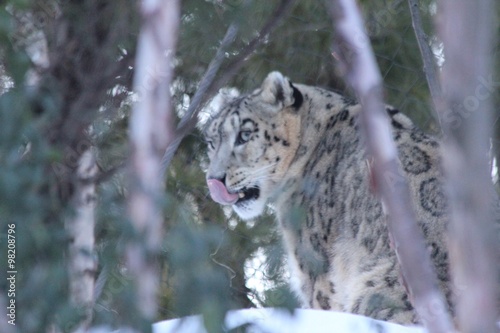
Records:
x=66, y=81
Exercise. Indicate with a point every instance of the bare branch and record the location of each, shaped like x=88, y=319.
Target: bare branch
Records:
x=209, y=75
x=427, y=57
x=209, y=86
x=362, y=73
x=467, y=85
x=280, y=12
x=105, y=175
x=188, y=121
x=150, y=132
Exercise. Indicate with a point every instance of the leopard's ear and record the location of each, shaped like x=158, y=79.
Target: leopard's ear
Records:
x=278, y=90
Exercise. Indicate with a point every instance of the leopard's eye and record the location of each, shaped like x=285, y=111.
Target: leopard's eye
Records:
x=243, y=137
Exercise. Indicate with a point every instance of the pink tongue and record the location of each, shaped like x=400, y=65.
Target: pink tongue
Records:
x=219, y=192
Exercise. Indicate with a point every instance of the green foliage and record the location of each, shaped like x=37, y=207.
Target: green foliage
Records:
x=39, y=235
x=36, y=171
x=206, y=252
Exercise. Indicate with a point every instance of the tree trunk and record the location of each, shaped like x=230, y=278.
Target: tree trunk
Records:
x=362, y=73
x=466, y=29
x=151, y=129
x=80, y=228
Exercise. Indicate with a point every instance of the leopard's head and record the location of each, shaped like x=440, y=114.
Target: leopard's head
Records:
x=252, y=140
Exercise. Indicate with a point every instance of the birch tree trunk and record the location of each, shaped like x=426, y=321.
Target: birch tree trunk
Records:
x=80, y=228
x=362, y=73
x=466, y=29
x=151, y=129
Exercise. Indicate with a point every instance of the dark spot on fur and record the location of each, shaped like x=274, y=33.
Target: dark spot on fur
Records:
x=390, y=281
x=280, y=95
x=406, y=302
x=432, y=198
x=324, y=301
x=397, y=125
x=352, y=122
x=298, y=99
x=369, y=243
x=343, y=115
x=420, y=137
x=355, y=227
x=391, y=111
x=389, y=314
x=330, y=222
x=357, y=304
x=414, y=159
x=331, y=122
x=425, y=229
x=348, y=101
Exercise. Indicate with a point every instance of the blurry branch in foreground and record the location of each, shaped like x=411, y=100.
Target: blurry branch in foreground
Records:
x=151, y=129
x=209, y=86
x=358, y=64
x=467, y=31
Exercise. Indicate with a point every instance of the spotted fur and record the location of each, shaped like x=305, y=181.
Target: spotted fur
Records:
x=298, y=147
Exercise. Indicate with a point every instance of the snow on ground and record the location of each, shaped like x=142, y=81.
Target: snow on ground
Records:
x=279, y=321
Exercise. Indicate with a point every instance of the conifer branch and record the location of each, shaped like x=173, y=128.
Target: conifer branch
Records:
x=209, y=86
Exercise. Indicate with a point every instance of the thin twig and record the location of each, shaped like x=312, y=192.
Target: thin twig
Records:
x=210, y=86
x=362, y=73
x=427, y=57
x=104, y=176
x=200, y=96
x=244, y=55
x=210, y=74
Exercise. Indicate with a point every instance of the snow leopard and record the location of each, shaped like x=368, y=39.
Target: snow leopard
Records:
x=298, y=149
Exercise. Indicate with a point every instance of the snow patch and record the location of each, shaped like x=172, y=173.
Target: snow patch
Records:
x=279, y=321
